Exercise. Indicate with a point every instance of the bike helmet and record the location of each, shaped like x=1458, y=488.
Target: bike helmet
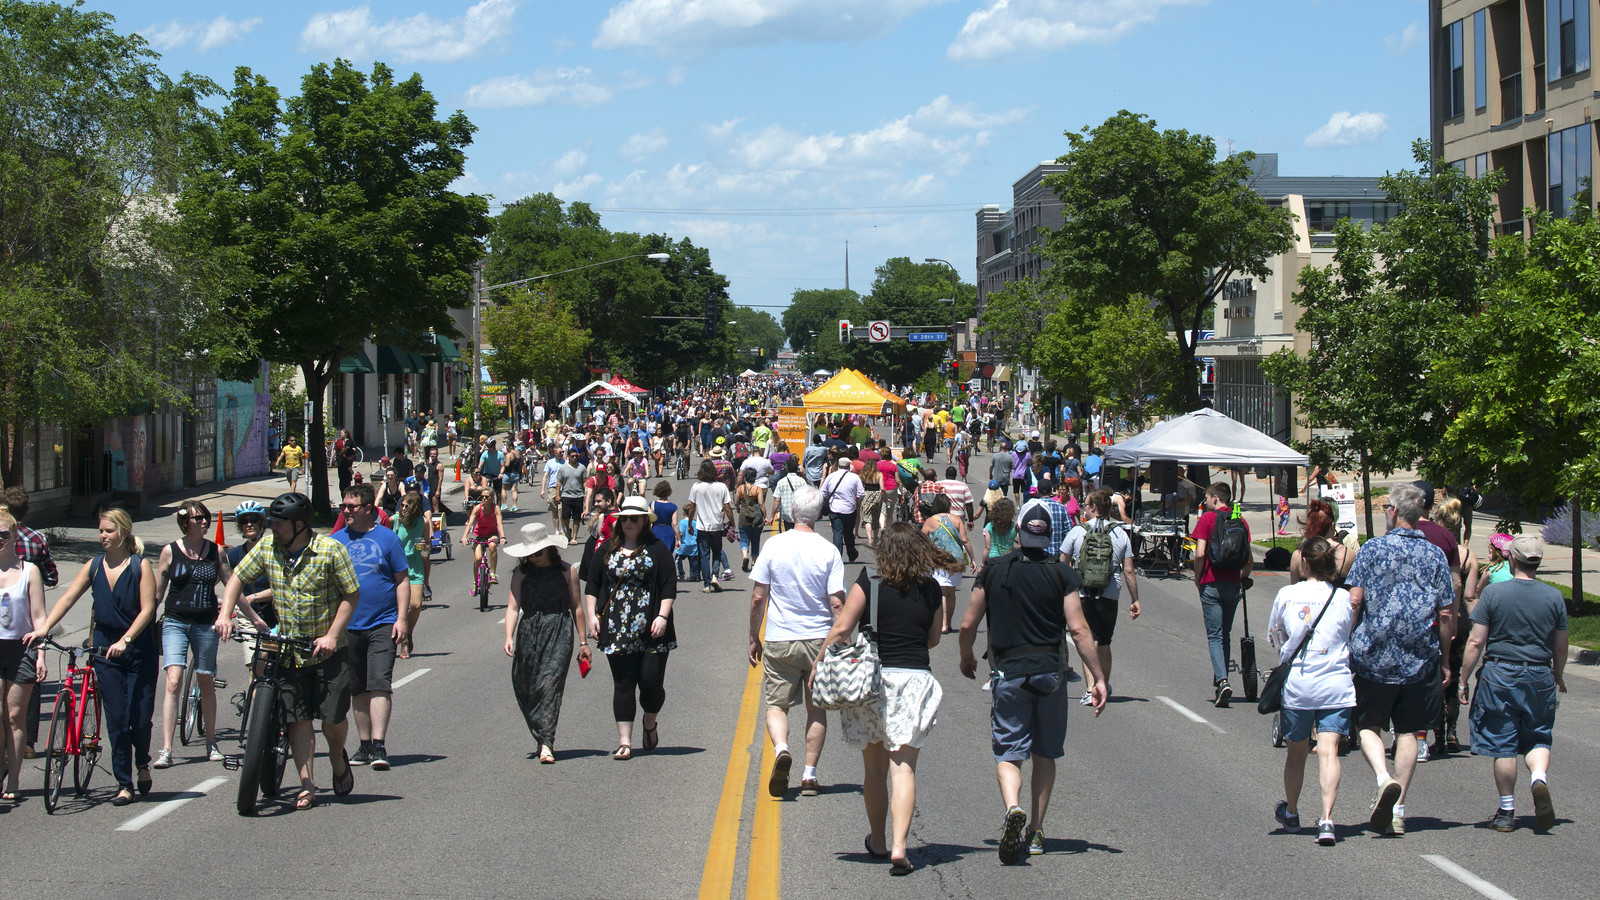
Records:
x=249, y=508
x=292, y=507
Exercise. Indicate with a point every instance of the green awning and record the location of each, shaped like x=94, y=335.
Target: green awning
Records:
x=394, y=361
x=447, y=349
x=360, y=362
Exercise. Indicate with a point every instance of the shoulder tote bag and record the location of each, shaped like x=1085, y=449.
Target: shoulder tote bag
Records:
x=849, y=673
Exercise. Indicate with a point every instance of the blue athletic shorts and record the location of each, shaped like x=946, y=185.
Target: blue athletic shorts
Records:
x=1298, y=724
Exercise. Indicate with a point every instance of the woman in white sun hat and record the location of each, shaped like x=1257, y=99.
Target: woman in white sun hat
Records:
x=544, y=614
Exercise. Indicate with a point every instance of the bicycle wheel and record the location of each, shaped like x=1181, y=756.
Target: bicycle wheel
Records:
x=272, y=778
x=55, y=760
x=260, y=738
x=683, y=466
x=88, y=746
x=188, y=705
x=483, y=582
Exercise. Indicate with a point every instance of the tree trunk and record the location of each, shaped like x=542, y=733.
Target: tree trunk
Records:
x=11, y=439
x=1576, y=603
x=317, y=467
x=1366, y=490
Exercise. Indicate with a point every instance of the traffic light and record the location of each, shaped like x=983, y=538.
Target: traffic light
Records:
x=844, y=331
x=712, y=313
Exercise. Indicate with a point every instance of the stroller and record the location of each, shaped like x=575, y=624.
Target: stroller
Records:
x=441, y=538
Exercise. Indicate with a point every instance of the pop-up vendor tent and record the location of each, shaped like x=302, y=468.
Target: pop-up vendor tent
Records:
x=603, y=386
x=1204, y=437
x=854, y=393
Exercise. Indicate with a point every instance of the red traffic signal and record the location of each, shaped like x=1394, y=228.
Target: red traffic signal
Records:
x=844, y=331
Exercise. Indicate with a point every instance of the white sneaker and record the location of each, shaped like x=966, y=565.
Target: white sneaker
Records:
x=1422, y=751
x=163, y=760
x=213, y=754
x=1086, y=700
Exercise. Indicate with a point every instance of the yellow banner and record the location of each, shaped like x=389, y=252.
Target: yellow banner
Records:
x=792, y=427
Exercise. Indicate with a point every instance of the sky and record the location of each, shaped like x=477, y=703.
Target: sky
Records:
x=776, y=132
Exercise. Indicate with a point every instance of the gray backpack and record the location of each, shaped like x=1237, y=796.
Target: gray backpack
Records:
x=1095, y=558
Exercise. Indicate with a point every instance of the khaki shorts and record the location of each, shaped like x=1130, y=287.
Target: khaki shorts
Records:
x=788, y=671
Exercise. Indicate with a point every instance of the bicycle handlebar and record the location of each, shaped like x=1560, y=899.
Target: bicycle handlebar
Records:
x=262, y=637
x=86, y=649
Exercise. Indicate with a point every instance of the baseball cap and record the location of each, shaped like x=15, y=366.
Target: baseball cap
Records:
x=1426, y=487
x=1527, y=548
x=1033, y=531
x=994, y=485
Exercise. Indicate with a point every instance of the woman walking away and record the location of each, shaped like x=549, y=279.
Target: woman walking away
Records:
x=414, y=527
x=21, y=605
x=752, y=517
x=891, y=731
x=544, y=614
x=191, y=574
x=1000, y=532
x=1322, y=520
x=123, y=586
x=949, y=534
x=628, y=604
x=1321, y=691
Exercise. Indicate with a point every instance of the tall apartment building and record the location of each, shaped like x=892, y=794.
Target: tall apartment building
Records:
x=1010, y=245
x=1512, y=89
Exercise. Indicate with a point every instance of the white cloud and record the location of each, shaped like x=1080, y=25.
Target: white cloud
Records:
x=1006, y=28
x=353, y=34
x=204, y=35
x=570, y=162
x=642, y=145
x=941, y=131
x=1345, y=128
x=546, y=87
x=577, y=188
x=1409, y=37
x=696, y=26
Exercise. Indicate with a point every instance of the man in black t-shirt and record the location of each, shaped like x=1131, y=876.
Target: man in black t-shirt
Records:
x=1030, y=600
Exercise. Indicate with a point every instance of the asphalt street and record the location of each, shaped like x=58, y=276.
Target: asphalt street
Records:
x=1161, y=796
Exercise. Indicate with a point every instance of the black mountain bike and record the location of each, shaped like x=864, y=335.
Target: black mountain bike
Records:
x=266, y=739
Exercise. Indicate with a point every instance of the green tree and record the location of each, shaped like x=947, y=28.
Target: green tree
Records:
x=1157, y=214
x=757, y=331
x=1118, y=356
x=1015, y=318
x=919, y=295
x=536, y=337
x=812, y=319
x=338, y=204
x=102, y=304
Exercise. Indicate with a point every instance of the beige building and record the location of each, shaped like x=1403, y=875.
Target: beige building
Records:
x=1512, y=89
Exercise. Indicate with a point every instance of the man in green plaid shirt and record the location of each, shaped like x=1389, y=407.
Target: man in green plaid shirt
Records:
x=314, y=590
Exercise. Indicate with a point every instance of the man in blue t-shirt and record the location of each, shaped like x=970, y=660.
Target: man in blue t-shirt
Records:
x=379, y=622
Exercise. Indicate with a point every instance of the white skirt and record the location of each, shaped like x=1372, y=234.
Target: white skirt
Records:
x=908, y=711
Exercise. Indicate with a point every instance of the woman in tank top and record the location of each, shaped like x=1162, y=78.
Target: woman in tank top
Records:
x=21, y=605
x=190, y=574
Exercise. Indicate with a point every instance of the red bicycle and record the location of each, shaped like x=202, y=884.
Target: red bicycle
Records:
x=74, y=728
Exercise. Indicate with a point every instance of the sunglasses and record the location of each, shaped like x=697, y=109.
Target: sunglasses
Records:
x=5, y=535
x=194, y=519
x=351, y=507
x=249, y=520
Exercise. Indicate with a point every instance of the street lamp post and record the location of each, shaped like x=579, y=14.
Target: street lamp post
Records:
x=955, y=284
x=480, y=294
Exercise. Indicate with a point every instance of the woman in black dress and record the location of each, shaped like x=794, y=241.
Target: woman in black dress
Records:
x=542, y=616
x=628, y=601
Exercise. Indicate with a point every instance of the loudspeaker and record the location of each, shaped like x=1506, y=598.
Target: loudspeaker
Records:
x=1163, y=476
x=1286, y=481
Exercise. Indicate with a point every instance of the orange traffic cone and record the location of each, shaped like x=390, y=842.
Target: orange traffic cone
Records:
x=222, y=539
x=458, y=468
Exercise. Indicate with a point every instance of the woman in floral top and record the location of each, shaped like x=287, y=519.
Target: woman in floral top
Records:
x=631, y=588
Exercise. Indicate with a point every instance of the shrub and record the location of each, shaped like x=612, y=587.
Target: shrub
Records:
x=1558, y=528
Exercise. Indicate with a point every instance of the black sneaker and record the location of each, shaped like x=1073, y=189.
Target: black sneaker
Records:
x=1013, y=845
x=1290, y=821
x=1505, y=820
x=363, y=754
x=380, y=757
x=1224, y=694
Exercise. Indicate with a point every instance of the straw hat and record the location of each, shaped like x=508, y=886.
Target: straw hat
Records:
x=718, y=453
x=535, y=537
x=636, y=506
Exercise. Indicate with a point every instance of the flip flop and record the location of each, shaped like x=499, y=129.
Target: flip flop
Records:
x=305, y=800
x=652, y=739
x=902, y=868
x=623, y=752
x=873, y=853
x=344, y=784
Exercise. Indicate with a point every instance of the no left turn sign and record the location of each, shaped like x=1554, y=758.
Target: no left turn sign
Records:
x=878, y=331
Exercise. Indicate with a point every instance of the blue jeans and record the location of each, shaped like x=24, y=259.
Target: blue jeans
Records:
x=694, y=565
x=844, y=534
x=710, y=555
x=1218, y=602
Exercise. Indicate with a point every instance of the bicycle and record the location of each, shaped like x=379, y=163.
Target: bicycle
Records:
x=73, y=731
x=480, y=581
x=191, y=715
x=683, y=464
x=266, y=739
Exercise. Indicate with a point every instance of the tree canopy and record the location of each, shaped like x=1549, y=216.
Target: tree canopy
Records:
x=536, y=337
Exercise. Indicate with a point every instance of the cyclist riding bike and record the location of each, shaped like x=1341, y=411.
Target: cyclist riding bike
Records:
x=484, y=529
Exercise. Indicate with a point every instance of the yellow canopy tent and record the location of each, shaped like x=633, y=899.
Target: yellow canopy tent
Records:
x=852, y=392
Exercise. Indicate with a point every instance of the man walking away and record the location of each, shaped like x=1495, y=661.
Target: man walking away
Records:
x=1400, y=587
x=1029, y=599
x=1222, y=561
x=799, y=586
x=379, y=623
x=570, y=483
x=1519, y=631
x=1102, y=553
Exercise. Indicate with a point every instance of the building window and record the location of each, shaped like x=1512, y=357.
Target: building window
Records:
x=1570, y=164
x=1480, y=60
x=1482, y=167
x=1566, y=25
x=1455, y=89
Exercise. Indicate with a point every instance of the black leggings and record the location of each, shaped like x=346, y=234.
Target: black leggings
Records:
x=644, y=673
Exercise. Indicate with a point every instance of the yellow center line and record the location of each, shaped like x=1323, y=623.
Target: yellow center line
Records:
x=766, y=842
x=716, y=881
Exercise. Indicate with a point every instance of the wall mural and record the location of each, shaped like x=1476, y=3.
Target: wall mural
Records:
x=242, y=411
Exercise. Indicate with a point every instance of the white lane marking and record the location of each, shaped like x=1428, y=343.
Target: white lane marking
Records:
x=502, y=620
x=1190, y=714
x=408, y=679
x=1467, y=878
x=156, y=812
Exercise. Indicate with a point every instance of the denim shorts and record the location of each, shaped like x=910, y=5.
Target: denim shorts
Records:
x=1513, y=709
x=1298, y=724
x=1029, y=717
x=176, y=639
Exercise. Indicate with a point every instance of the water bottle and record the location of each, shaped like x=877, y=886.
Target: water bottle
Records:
x=5, y=609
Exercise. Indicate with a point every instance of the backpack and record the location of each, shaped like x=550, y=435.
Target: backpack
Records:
x=1229, y=546
x=750, y=510
x=1095, y=558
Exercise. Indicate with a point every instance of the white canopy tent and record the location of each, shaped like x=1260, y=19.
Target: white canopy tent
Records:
x=606, y=386
x=1204, y=437
x=748, y=372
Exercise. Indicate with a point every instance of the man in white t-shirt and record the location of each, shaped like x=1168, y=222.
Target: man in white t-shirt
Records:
x=1100, y=609
x=758, y=461
x=799, y=587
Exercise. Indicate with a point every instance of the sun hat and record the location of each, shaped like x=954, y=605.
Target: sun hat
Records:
x=718, y=453
x=1502, y=542
x=636, y=506
x=535, y=537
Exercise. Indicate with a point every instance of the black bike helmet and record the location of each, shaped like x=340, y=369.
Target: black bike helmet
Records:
x=292, y=507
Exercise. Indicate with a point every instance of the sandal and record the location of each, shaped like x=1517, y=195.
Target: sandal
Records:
x=344, y=784
x=305, y=800
x=623, y=751
x=902, y=868
x=8, y=796
x=652, y=739
x=405, y=649
x=873, y=853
